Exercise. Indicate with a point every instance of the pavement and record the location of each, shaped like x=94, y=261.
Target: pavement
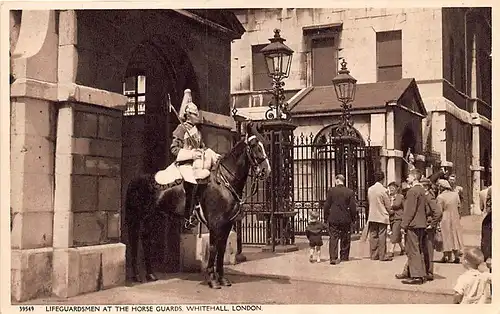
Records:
x=360, y=270
x=289, y=278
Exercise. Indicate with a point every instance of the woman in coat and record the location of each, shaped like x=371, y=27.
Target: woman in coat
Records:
x=451, y=229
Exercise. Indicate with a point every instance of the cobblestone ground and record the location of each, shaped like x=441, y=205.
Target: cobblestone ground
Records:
x=192, y=289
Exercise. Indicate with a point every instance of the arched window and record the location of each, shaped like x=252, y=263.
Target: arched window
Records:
x=134, y=88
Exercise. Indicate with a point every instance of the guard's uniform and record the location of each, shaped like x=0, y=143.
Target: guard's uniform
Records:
x=187, y=142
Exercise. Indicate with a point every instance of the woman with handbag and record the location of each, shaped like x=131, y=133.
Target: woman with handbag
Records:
x=450, y=223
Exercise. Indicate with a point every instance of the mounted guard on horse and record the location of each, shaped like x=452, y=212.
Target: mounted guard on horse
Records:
x=193, y=160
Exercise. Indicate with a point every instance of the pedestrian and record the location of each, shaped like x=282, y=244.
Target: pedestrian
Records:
x=340, y=214
x=413, y=225
x=486, y=224
x=378, y=218
x=395, y=216
x=473, y=286
x=450, y=223
x=452, y=179
x=313, y=233
x=434, y=215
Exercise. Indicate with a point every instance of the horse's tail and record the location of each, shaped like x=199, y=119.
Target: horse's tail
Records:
x=136, y=200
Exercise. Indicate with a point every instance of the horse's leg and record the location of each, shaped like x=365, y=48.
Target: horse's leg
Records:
x=221, y=250
x=147, y=244
x=212, y=254
x=133, y=242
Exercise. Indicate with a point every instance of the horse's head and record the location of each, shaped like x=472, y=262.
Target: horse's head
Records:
x=256, y=152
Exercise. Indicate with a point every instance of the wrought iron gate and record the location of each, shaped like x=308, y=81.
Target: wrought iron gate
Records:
x=315, y=164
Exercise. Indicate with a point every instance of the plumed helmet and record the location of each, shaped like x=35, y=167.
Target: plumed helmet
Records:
x=187, y=105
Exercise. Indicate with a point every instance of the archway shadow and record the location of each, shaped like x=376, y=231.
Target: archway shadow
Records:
x=236, y=277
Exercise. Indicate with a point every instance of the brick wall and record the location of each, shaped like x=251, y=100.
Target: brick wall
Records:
x=96, y=177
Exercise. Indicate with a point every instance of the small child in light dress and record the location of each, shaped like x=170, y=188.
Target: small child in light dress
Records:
x=313, y=233
x=473, y=286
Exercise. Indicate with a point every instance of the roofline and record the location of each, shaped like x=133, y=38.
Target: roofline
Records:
x=231, y=33
x=337, y=112
x=413, y=84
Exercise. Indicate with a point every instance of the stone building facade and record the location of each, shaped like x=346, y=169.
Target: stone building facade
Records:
x=73, y=151
x=446, y=51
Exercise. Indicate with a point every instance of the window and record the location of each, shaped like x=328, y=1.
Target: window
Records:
x=389, y=56
x=134, y=88
x=324, y=61
x=261, y=79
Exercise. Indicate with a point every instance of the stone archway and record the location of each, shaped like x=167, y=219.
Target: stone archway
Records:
x=146, y=137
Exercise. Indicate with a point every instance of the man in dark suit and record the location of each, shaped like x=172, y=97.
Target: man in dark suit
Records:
x=414, y=226
x=340, y=213
x=434, y=214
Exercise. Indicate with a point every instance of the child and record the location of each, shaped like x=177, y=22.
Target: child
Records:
x=313, y=233
x=473, y=286
x=395, y=217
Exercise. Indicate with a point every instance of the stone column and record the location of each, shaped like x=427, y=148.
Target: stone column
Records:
x=389, y=146
x=53, y=183
x=378, y=136
x=476, y=142
x=34, y=64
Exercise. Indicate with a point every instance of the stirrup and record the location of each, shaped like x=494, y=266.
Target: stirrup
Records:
x=191, y=222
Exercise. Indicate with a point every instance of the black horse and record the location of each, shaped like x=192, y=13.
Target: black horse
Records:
x=219, y=199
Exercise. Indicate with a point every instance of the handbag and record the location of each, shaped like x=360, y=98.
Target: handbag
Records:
x=438, y=240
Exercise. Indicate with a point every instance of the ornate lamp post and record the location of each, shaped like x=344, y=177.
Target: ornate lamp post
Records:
x=345, y=89
x=344, y=134
x=278, y=59
x=278, y=131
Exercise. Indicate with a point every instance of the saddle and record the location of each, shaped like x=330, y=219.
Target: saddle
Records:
x=199, y=170
x=172, y=176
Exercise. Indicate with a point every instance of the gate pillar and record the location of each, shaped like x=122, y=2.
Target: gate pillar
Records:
x=279, y=188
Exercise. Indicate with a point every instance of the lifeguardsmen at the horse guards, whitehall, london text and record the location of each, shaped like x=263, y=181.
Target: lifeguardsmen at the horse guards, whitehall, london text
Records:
x=152, y=308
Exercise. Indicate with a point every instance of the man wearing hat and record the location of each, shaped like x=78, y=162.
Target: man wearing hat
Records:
x=190, y=152
x=340, y=214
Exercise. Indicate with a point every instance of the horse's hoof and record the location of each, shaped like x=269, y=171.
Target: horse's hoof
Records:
x=214, y=284
x=225, y=282
x=151, y=277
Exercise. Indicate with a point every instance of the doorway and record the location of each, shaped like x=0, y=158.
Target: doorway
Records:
x=158, y=69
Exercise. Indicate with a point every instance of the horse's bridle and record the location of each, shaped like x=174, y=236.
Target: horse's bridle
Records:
x=255, y=163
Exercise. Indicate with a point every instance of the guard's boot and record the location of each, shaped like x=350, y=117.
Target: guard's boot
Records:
x=190, y=219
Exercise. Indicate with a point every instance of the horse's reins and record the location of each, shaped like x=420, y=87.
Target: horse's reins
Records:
x=253, y=188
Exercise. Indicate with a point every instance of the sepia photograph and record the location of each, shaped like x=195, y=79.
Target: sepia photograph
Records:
x=231, y=159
